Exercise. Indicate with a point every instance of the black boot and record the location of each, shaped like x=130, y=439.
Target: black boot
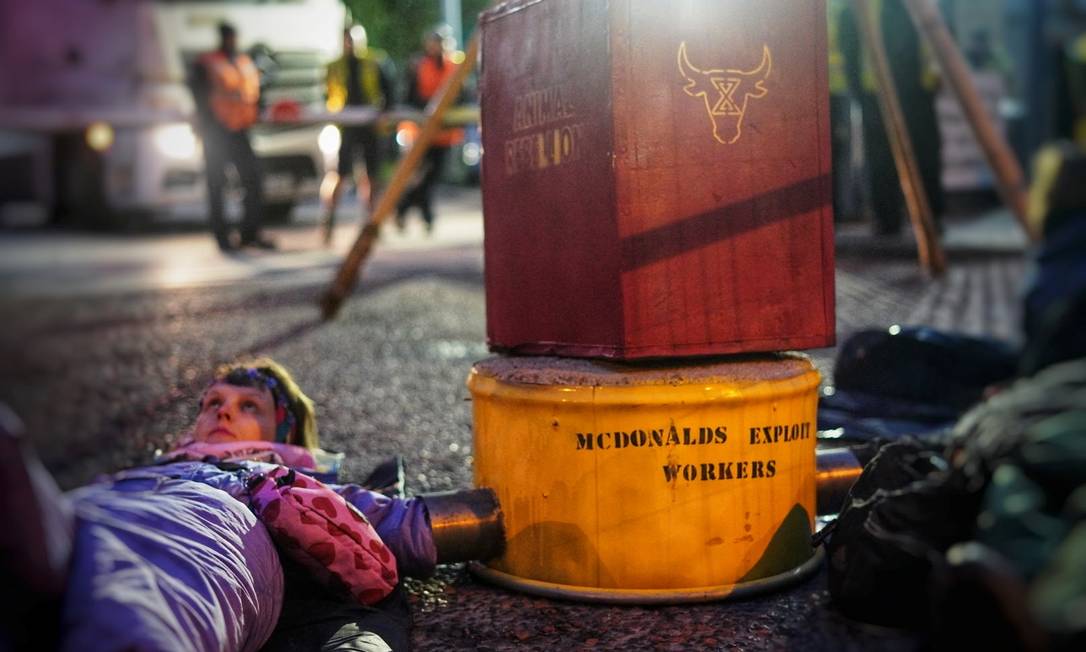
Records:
x=387, y=478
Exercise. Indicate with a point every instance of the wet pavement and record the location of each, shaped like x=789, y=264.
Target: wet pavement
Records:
x=104, y=360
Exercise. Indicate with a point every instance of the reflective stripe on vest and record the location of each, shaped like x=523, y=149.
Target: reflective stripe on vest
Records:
x=235, y=89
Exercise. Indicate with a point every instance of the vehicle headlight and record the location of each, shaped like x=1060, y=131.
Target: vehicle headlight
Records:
x=328, y=140
x=99, y=136
x=176, y=141
x=406, y=133
x=471, y=154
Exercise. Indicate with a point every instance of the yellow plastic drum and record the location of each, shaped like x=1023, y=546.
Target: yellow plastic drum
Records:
x=648, y=483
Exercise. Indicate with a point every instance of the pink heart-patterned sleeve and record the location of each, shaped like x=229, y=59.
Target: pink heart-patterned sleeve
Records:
x=321, y=531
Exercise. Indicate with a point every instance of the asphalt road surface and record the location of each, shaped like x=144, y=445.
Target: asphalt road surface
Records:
x=107, y=340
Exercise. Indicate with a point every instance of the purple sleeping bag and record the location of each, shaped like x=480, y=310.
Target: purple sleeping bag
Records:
x=169, y=557
x=168, y=564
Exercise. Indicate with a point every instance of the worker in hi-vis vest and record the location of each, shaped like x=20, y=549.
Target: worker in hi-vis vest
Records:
x=359, y=78
x=427, y=73
x=226, y=87
x=916, y=80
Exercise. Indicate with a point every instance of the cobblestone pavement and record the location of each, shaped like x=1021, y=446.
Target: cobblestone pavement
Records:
x=974, y=296
x=104, y=381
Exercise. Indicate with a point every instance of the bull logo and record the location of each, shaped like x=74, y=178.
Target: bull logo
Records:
x=725, y=92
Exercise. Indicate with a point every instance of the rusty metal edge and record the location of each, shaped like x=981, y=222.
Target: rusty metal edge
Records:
x=648, y=596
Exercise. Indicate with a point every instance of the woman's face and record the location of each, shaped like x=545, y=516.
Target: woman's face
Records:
x=233, y=413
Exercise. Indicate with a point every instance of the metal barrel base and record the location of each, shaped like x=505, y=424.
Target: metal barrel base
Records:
x=713, y=461
x=649, y=596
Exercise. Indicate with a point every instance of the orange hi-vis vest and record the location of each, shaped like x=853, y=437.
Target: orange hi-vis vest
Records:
x=429, y=80
x=235, y=89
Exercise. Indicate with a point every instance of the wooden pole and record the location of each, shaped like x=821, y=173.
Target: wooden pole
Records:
x=1010, y=180
x=347, y=276
x=929, y=250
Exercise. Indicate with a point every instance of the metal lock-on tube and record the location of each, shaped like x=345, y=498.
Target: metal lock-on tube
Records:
x=466, y=525
x=836, y=470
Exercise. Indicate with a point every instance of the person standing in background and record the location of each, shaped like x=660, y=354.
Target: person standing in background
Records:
x=226, y=88
x=917, y=82
x=844, y=186
x=359, y=78
x=427, y=73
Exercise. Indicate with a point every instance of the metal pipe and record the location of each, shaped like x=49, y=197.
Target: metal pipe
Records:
x=466, y=524
x=836, y=471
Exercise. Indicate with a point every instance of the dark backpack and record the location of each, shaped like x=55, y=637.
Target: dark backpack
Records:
x=923, y=365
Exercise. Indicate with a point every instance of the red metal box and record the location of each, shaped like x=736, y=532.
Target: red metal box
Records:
x=656, y=177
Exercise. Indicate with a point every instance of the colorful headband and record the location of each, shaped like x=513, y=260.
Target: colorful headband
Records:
x=284, y=417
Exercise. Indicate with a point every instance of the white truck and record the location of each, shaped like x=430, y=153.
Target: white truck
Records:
x=96, y=112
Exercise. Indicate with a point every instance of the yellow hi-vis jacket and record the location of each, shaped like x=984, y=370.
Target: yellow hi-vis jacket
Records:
x=369, y=62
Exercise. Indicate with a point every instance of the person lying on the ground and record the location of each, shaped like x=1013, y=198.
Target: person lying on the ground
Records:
x=229, y=543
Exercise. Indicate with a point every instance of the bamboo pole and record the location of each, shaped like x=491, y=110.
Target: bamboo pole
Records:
x=1010, y=180
x=929, y=250
x=347, y=276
